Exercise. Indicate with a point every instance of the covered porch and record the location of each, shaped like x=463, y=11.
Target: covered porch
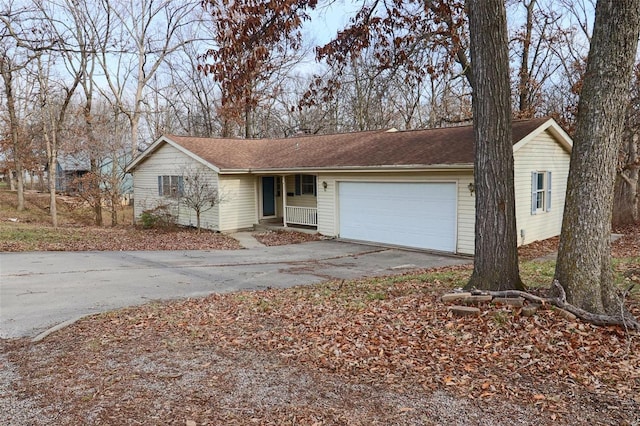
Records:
x=289, y=200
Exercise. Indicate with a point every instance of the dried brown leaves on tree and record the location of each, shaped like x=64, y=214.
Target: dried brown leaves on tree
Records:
x=252, y=38
x=255, y=39
x=396, y=33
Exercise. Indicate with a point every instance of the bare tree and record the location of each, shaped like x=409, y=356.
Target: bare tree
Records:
x=7, y=70
x=15, y=56
x=193, y=99
x=40, y=35
x=534, y=46
x=198, y=193
x=80, y=59
x=52, y=114
x=626, y=208
x=106, y=151
x=136, y=38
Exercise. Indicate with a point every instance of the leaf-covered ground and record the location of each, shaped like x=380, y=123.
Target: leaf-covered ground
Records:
x=375, y=351
x=627, y=244
x=283, y=237
x=30, y=230
x=91, y=238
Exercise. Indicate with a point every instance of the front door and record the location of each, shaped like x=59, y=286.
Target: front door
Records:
x=268, y=196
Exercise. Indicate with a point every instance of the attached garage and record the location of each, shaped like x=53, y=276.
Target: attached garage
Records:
x=411, y=214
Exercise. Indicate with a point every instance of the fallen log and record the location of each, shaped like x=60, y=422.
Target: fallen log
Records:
x=625, y=320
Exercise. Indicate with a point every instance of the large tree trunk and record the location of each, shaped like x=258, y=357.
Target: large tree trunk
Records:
x=7, y=76
x=20, y=184
x=53, y=208
x=584, y=256
x=134, y=120
x=496, y=255
x=97, y=192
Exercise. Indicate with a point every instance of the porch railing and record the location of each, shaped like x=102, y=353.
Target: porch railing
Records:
x=302, y=215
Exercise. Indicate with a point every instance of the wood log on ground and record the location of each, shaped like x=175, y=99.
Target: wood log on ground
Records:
x=464, y=311
x=625, y=321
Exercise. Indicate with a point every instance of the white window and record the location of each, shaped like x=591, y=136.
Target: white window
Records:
x=305, y=184
x=170, y=186
x=540, y=192
x=308, y=184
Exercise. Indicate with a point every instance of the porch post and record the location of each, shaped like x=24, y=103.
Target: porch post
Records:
x=284, y=201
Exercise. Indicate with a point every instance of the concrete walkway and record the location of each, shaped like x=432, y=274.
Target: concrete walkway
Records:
x=247, y=240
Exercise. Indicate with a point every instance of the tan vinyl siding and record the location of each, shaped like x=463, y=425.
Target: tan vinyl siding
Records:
x=240, y=202
x=169, y=161
x=542, y=154
x=466, y=215
x=328, y=200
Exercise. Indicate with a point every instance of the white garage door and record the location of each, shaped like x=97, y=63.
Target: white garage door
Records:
x=421, y=215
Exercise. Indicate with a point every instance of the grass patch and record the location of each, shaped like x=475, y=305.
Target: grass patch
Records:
x=71, y=210
x=30, y=237
x=627, y=272
x=28, y=234
x=376, y=296
x=536, y=273
x=539, y=274
x=357, y=294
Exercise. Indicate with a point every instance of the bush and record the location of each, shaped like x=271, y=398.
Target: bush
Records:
x=158, y=217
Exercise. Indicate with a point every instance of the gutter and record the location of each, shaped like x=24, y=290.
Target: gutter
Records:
x=353, y=169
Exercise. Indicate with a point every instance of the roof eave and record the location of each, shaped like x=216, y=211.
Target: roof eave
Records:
x=156, y=145
x=353, y=169
x=556, y=131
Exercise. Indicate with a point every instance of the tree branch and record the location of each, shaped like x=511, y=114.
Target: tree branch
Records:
x=626, y=321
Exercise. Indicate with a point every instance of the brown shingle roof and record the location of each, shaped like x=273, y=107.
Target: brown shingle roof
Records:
x=442, y=146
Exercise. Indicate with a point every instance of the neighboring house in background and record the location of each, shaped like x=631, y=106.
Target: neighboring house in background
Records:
x=69, y=169
x=124, y=180
x=405, y=188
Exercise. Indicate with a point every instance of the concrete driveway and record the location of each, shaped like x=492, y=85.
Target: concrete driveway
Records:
x=40, y=290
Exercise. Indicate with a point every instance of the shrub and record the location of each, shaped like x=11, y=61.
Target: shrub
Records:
x=158, y=217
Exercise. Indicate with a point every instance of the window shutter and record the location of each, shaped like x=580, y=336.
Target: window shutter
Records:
x=534, y=187
x=315, y=186
x=298, y=184
x=160, y=186
x=548, y=191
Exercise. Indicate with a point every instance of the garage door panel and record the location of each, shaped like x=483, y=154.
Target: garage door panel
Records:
x=421, y=215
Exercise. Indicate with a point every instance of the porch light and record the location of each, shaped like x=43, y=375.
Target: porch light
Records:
x=472, y=188
x=324, y=185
